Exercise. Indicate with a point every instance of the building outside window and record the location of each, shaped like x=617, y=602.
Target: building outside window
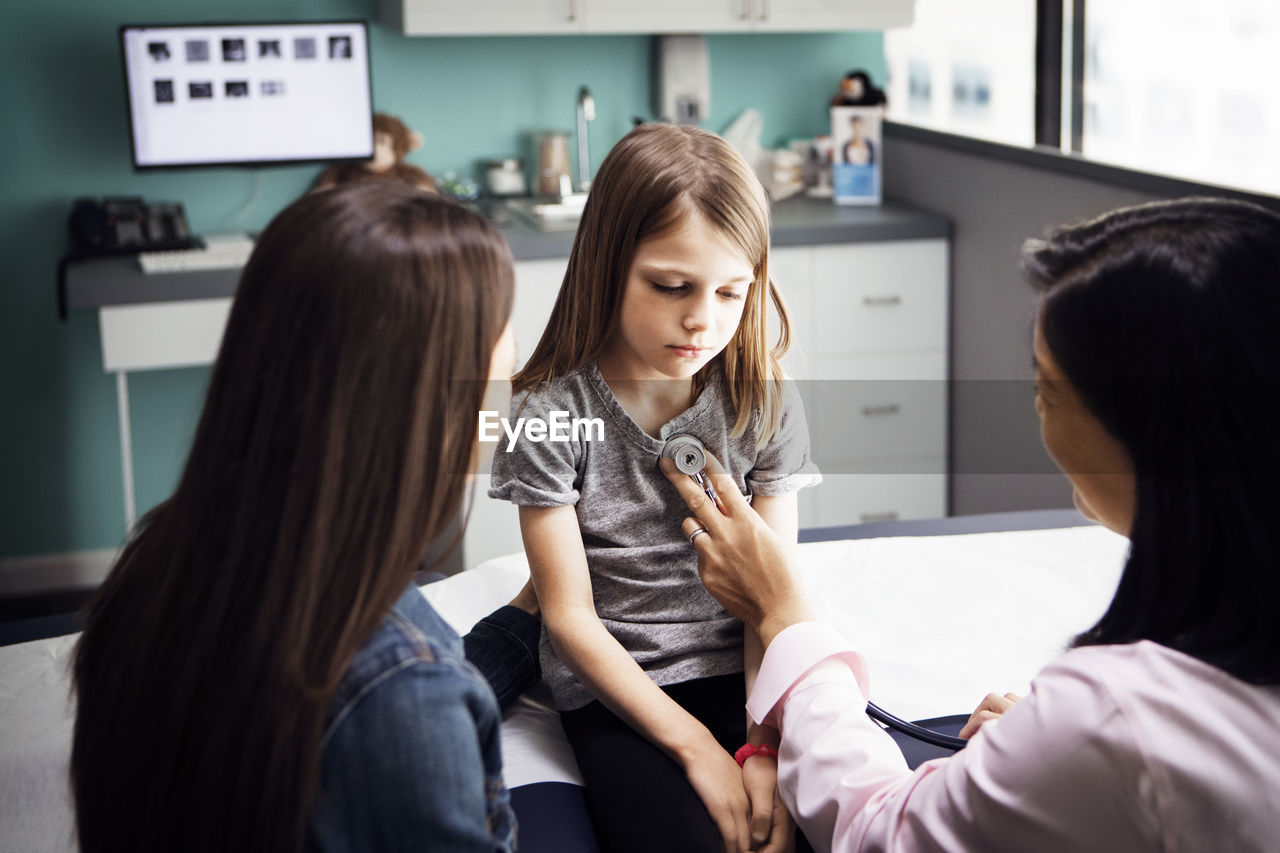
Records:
x=966, y=68
x=1171, y=87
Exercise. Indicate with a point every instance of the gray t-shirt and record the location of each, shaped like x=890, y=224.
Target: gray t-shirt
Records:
x=644, y=573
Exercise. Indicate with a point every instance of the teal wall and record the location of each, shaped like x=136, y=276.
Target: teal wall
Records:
x=65, y=134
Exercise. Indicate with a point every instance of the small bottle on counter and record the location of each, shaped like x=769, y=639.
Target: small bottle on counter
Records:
x=505, y=177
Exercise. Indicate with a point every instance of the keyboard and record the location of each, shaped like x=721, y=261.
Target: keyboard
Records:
x=217, y=254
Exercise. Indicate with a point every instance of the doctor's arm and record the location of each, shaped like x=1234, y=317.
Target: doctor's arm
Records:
x=1049, y=777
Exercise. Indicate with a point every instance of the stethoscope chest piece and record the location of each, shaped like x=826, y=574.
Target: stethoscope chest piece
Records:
x=690, y=457
x=687, y=453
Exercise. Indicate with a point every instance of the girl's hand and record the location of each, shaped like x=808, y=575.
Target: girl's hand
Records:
x=772, y=829
x=717, y=780
x=992, y=708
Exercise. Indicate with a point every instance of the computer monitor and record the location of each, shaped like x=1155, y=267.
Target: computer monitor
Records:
x=248, y=94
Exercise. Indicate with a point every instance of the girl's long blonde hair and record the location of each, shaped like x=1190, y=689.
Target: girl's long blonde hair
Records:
x=647, y=184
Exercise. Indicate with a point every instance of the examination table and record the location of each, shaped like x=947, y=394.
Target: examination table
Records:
x=945, y=612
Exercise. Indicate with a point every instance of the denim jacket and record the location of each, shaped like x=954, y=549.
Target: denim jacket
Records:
x=411, y=750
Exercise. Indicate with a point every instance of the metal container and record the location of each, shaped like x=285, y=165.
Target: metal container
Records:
x=553, y=162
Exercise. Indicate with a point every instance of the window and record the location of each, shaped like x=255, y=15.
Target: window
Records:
x=1185, y=88
x=966, y=68
x=1172, y=87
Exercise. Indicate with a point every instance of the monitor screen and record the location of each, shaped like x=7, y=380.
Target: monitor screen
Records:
x=218, y=94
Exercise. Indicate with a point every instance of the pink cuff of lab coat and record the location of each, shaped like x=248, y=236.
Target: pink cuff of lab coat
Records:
x=791, y=659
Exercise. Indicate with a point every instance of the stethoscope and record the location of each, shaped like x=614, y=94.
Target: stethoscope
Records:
x=690, y=458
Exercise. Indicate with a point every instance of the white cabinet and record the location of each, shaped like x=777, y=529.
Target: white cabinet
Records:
x=482, y=17
x=537, y=284
x=669, y=16
x=530, y=17
x=869, y=325
x=493, y=528
x=821, y=15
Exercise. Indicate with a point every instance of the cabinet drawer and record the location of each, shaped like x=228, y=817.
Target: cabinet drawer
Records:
x=916, y=364
x=881, y=297
x=162, y=334
x=875, y=419
x=862, y=498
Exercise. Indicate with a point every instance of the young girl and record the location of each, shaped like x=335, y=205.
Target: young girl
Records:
x=660, y=329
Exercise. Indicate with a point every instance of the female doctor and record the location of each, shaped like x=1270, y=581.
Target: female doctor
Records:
x=1157, y=362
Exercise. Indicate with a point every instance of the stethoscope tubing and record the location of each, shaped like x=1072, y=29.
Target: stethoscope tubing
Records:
x=880, y=715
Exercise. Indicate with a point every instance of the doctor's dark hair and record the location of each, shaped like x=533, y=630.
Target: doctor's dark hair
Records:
x=647, y=186
x=338, y=423
x=1164, y=318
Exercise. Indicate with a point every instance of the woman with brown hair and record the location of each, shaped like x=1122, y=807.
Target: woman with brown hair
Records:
x=259, y=671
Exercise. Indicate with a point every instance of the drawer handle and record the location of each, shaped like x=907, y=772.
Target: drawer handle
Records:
x=888, y=515
x=880, y=411
x=881, y=301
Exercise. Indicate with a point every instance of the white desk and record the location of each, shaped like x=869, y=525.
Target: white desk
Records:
x=149, y=322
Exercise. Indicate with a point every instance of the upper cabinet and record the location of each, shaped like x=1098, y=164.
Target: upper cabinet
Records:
x=483, y=17
x=558, y=17
x=817, y=15
x=670, y=17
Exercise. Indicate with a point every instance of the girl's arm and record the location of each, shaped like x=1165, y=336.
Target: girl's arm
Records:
x=781, y=513
x=558, y=566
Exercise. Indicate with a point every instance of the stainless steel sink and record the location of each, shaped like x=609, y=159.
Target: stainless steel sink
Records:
x=550, y=214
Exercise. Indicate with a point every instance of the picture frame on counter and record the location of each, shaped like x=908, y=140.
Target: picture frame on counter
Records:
x=857, y=154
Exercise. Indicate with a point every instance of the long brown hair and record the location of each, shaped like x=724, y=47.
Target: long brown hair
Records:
x=647, y=184
x=330, y=452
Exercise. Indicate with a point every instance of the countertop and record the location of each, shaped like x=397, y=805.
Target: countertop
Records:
x=797, y=221
x=95, y=282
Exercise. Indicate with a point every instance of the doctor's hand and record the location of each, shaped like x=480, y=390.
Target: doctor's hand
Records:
x=991, y=709
x=742, y=562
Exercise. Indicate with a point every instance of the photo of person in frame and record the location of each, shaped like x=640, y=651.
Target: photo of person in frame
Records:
x=304, y=48
x=855, y=136
x=269, y=49
x=197, y=50
x=858, y=150
x=159, y=51
x=233, y=50
x=339, y=47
